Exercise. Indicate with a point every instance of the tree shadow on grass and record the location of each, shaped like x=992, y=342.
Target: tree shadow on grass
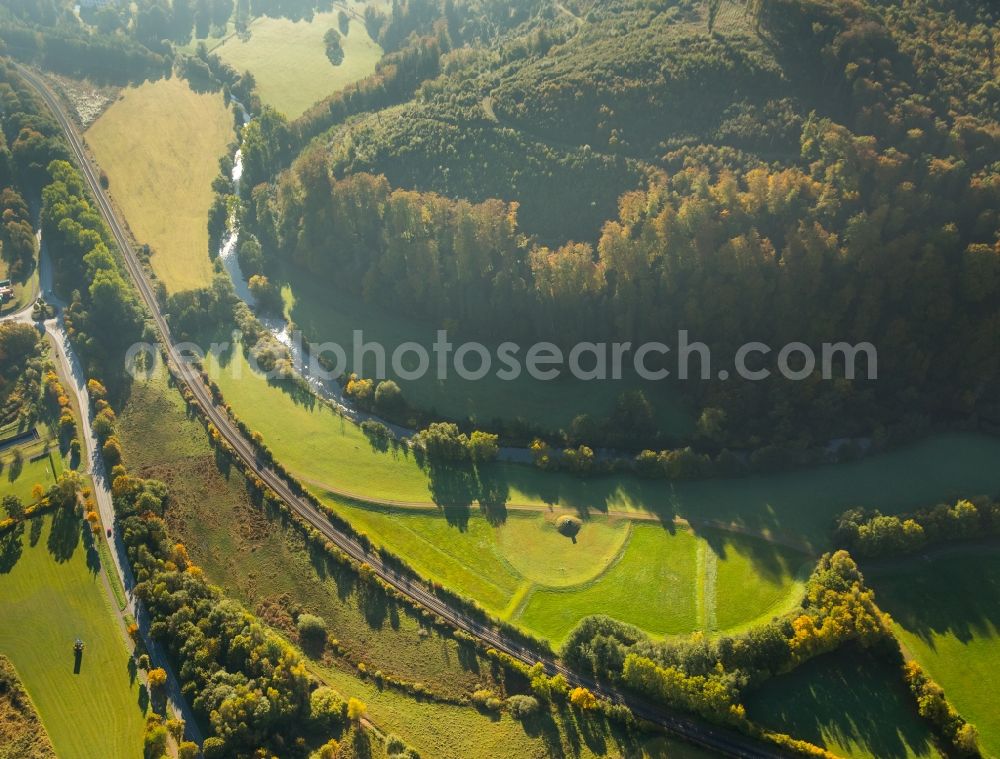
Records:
x=64, y=535
x=848, y=697
x=542, y=725
x=773, y=563
x=11, y=548
x=90, y=545
x=956, y=594
x=35, y=534
x=373, y=603
x=455, y=487
x=16, y=467
x=300, y=394
x=494, y=493
x=591, y=727
x=362, y=744
x=468, y=656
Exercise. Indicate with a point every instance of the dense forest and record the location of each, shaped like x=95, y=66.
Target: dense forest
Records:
x=807, y=170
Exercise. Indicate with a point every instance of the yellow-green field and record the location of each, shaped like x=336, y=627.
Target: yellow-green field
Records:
x=288, y=59
x=328, y=452
x=160, y=144
x=52, y=596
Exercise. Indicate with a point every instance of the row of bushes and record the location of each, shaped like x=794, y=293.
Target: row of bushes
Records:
x=873, y=534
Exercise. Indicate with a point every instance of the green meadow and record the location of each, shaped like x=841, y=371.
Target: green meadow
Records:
x=36, y=468
x=847, y=702
x=641, y=572
x=947, y=615
x=289, y=62
x=53, y=594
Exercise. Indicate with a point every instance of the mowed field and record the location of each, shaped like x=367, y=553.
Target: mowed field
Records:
x=947, y=614
x=325, y=316
x=21, y=480
x=52, y=596
x=847, y=702
x=160, y=144
x=288, y=59
x=658, y=578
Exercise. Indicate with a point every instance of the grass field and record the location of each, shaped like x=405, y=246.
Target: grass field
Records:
x=326, y=317
x=322, y=448
x=525, y=571
x=288, y=59
x=848, y=703
x=53, y=596
x=21, y=481
x=947, y=614
x=160, y=144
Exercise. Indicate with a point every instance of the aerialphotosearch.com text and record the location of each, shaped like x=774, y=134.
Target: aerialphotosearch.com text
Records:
x=545, y=361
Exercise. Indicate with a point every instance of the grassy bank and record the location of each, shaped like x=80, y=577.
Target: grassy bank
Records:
x=160, y=145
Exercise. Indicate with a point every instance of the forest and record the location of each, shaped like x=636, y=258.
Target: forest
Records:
x=733, y=184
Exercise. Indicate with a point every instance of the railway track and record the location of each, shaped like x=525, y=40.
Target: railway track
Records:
x=718, y=740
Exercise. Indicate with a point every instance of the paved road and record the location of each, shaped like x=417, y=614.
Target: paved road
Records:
x=719, y=740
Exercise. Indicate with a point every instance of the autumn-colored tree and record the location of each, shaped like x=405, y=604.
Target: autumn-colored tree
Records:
x=582, y=699
x=156, y=678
